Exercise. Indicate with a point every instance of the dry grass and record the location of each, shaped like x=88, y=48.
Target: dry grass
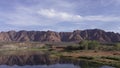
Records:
x=92, y=53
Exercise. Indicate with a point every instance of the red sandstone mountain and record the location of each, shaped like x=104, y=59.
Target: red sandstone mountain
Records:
x=43, y=36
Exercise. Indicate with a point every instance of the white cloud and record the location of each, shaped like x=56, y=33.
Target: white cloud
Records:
x=64, y=16
x=24, y=16
x=78, y=14
x=60, y=16
x=102, y=18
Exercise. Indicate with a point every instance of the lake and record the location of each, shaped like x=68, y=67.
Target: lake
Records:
x=42, y=60
x=50, y=66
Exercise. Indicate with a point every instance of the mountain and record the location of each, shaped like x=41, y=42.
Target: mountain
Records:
x=51, y=36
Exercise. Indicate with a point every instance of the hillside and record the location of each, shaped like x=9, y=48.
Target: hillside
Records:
x=49, y=36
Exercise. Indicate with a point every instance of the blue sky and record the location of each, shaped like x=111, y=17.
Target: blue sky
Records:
x=59, y=15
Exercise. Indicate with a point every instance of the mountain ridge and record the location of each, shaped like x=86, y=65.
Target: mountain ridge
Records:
x=52, y=36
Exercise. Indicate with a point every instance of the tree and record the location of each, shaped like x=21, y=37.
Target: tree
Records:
x=94, y=45
x=84, y=44
x=117, y=46
x=87, y=44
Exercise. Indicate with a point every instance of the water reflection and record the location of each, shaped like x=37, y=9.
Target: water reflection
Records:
x=107, y=67
x=28, y=59
x=42, y=66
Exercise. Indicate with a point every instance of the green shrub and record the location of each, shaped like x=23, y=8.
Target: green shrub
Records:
x=87, y=57
x=117, y=46
x=89, y=45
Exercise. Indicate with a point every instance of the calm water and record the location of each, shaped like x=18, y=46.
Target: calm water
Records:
x=50, y=66
x=41, y=60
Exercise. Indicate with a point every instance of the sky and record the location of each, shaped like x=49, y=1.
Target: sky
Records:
x=59, y=15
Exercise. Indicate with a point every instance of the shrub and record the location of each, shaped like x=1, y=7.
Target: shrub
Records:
x=117, y=46
x=89, y=45
x=87, y=57
x=112, y=58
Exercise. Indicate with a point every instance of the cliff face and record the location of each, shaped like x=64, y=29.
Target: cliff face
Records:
x=43, y=36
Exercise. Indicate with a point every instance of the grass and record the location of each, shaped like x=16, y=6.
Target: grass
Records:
x=103, y=57
x=116, y=58
x=100, y=57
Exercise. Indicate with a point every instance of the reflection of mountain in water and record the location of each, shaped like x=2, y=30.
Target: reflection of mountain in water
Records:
x=28, y=59
x=32, y=58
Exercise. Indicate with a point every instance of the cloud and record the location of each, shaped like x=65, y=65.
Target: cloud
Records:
x=64, y=16
x=24, y=16
x=78, y=14
x=102, y=18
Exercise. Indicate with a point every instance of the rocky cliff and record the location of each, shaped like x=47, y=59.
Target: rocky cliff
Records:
x=51, y=36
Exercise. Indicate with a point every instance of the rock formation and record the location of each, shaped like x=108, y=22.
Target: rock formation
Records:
x=51, y=36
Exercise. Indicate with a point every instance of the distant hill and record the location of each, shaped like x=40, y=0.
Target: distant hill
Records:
x=49, y=36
